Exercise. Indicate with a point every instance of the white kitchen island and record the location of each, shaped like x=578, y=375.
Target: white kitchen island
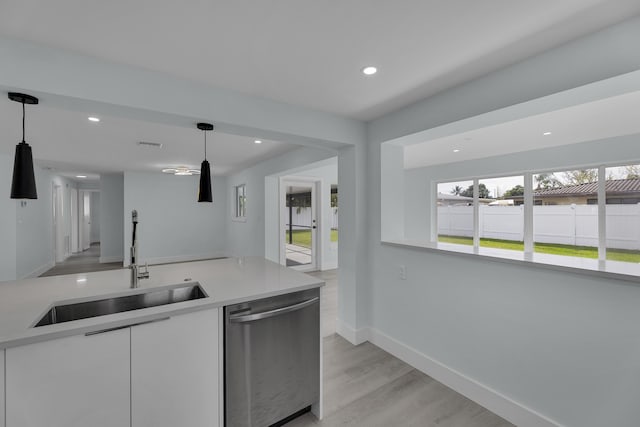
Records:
x=158, y=366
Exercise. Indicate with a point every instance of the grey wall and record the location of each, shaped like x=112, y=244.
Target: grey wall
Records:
x=111, y=217
x=563, y=344
x=173, y=226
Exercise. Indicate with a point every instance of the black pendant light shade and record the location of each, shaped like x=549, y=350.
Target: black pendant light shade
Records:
x=205, y=194
x=23, y=185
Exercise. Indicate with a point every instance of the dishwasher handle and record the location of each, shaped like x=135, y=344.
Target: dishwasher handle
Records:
x=272, y=313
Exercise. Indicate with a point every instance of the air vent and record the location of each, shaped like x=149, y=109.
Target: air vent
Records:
x=150, y=144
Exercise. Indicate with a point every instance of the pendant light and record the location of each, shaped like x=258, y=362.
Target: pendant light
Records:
x=205, y=194
x=23, y=185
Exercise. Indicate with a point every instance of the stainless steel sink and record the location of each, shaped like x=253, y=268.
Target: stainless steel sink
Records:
x=67, y=312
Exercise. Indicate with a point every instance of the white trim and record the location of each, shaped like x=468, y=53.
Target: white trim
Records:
x=355, y=337
x=329, y=266
x=602, y=213
x=494, y=401
x=39, y=270
x=108, y=259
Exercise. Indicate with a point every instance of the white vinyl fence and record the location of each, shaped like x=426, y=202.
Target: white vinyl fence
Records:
x=301, y=218
x=562, y=224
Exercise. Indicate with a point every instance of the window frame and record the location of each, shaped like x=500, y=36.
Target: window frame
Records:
x=239, y=209
x=601, y=264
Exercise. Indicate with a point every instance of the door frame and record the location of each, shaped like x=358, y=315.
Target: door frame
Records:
x=316, y=241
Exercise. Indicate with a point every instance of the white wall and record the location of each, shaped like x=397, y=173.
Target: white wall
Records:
x=172, y=225
x=34, y=230
x=95, y=216
x=111, y=217
x=7, y=221
x=563, y=345
x=258, y=235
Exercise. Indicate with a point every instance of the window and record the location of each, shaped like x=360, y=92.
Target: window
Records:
x=581, y=215
x=565, y=216
x=622, y=225
x=240, y=201
x=455, y=212
x=501, y=213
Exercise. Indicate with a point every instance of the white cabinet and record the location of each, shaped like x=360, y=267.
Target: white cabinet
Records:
x=77, y=381
x=175, y=377
x=2, y=388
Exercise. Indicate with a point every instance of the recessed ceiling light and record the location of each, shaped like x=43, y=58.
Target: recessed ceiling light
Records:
x=369, y=71
x=547, y=133
x=94, y=119
x=456, y=150
x=81, y=176
x=182, y=171
x=257, y=141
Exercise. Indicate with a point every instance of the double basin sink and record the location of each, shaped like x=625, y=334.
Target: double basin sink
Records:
x=67, y=312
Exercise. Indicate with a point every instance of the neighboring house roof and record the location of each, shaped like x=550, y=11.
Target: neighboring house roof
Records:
x=443, y=196
x=613, y=186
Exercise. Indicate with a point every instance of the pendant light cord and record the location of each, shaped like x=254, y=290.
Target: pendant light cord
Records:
x=23, y=122
x=205, y=145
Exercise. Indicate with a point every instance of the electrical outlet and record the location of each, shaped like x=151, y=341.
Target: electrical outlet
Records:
x=403, y=272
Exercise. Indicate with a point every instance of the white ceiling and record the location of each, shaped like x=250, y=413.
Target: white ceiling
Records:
x=606, y=118
x=72, y=145
x=309, y=52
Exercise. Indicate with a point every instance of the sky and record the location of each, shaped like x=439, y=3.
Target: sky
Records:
x=497, y=186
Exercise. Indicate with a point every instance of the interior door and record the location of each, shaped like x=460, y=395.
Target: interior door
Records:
x=299, y=225
x=58, y=240
x=86, y=220
x=74, y=221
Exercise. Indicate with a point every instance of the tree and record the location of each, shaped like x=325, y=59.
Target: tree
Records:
x=632, y=171
x=483, y=192
x=546, y=181
x=456, y=190
x=580, y=176
x=518, y=190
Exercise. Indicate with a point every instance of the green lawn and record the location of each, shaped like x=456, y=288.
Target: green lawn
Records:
x=548, y=248
x=303, y=237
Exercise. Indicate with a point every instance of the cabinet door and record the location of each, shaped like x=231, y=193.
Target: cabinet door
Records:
x=174, y=371
x=77, y=381
x=2, y=388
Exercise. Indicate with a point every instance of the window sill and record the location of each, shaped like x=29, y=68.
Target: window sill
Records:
x=626, y=271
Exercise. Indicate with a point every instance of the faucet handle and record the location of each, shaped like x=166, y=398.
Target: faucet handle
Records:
x=145, y=273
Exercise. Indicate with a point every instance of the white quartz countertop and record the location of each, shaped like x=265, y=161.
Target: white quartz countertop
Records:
x=226, y=281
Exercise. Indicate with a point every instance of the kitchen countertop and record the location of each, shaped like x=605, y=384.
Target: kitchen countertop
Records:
x=226, y=281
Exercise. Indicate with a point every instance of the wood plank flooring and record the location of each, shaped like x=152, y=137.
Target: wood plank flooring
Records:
x=366, y=386
x=83, y=262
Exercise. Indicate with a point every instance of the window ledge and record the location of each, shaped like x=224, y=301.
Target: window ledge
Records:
x=626, y=271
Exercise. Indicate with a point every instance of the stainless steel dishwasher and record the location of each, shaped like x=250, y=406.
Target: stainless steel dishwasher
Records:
x=272, y=359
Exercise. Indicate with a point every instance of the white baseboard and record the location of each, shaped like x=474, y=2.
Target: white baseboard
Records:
x=182, y=258
x=38, y=271
x=106, y=259
x=497, y=403
x=354, y=336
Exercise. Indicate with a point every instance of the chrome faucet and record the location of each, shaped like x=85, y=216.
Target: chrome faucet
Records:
x=135, y=273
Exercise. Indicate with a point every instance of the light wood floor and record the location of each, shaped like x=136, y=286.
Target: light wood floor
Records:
x=83, y=262
x=366, y=386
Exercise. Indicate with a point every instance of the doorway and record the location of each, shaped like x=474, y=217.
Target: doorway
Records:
x=299, y=226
